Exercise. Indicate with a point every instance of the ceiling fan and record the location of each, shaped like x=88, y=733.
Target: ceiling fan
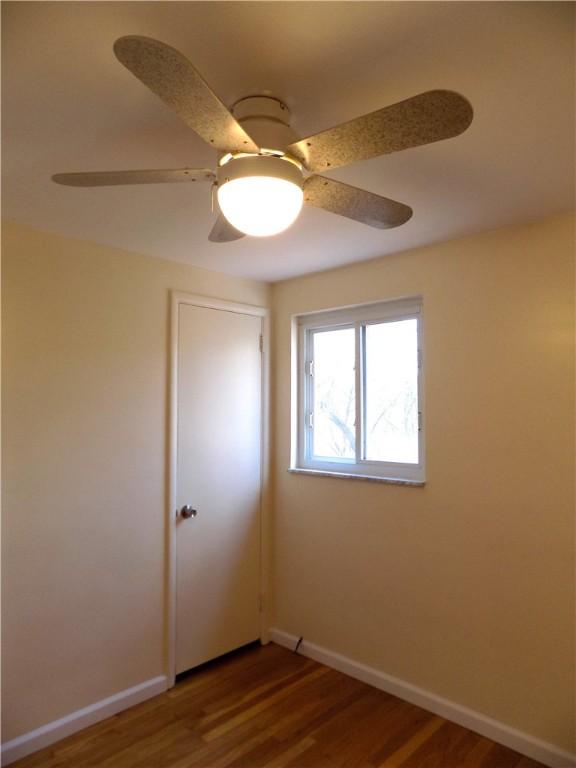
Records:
x=265, y=173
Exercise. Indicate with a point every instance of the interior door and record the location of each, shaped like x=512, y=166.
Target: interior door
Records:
x=218, y=482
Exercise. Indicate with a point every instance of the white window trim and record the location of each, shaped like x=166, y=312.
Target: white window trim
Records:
x=354, y=317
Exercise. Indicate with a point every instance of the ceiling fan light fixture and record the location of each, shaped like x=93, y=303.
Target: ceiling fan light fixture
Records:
x=260, y=195
x=260, y=175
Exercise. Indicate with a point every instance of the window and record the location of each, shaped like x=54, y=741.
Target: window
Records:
x=360, y=393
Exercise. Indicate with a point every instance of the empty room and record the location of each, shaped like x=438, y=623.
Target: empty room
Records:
x=288, y=384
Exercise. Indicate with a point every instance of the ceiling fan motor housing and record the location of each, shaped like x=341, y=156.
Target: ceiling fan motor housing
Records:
x=260, y=165
x=266, y=120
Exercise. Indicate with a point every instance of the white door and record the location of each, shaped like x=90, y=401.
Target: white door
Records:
x=218, y=477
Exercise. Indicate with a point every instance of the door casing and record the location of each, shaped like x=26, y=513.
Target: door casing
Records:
x=178, y=298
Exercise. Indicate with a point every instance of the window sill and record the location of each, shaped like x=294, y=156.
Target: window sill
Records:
x=348, y=476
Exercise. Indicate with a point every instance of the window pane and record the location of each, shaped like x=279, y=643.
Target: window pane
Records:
x=334, y=409
x=391, y=405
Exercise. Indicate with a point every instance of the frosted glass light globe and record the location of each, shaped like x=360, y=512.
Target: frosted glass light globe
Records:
x=260, y=195
x=260, y=205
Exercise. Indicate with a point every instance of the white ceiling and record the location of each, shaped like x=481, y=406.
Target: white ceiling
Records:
x=68, y=105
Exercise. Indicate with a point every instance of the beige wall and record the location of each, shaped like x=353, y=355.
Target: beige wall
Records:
x=463, y=587
x=85, y=344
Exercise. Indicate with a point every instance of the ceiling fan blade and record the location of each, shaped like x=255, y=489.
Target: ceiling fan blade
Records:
x=172, y=77
x=423, y=119
x=354, y=203
x=223, y=231
x=114, y=178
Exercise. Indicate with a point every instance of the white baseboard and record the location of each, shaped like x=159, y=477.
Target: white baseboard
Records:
x=58, y=729
x=475, y=721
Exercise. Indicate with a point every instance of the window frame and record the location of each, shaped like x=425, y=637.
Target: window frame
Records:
x=356, y=317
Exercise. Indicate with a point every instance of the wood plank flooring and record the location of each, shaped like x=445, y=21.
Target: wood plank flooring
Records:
x=266, y=707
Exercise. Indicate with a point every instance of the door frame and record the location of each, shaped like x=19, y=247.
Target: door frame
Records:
x=177, y=299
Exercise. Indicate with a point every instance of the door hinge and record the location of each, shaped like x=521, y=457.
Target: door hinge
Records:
x=310, y=368
x=261, y=343
x=419, y=359
x=419, y=421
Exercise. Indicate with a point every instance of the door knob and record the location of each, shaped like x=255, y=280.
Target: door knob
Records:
x=186, y=512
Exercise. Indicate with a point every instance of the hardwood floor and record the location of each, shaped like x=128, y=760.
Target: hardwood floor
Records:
x=270, y=708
